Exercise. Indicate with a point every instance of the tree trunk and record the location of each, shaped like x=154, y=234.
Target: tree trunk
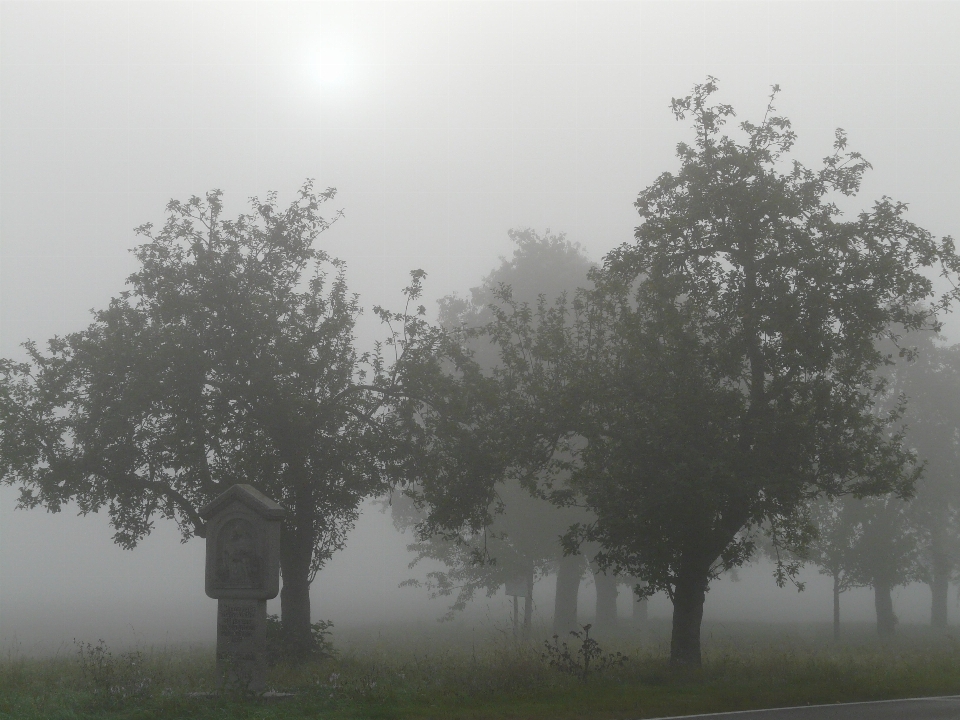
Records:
x=295, y=554
x=836, y=606
x=606, y=618
x=528, y=607
x=688, y=598
x=883, y=601
x=565, y=600
x=939, y=591
x=516, y=618
x=939, y=583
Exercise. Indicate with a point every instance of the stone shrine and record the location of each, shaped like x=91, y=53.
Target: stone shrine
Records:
x=242, y=573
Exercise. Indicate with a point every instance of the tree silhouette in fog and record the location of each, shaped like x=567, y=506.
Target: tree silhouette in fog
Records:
x=521, y=541
x=723, y=371
x=932, y=385
x=885, y=542
x=837, y=532
x=896, y=542
x=866, y=542
x=229, y=358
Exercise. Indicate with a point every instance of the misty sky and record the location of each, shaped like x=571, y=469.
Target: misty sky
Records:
x=442, y=125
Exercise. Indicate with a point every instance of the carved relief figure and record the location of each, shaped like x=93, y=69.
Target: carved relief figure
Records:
x=238, y=555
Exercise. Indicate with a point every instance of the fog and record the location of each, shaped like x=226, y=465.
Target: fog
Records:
x=443, y=125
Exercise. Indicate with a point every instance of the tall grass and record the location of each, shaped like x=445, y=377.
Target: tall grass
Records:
x=409, y=674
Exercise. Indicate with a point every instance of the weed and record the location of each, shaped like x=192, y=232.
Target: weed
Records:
x=415, y=674
x=320, y=631
x=579, y=663
x=112, y=679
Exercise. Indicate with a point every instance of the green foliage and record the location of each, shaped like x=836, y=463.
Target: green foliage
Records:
x=587, y=658
x=932, y=384
x=751, y=670
x=279, y=652
x=230, y=357
x=513, y=545
x=741, y=356
x=506, y=533
x=112, y=679
x=724, y=370
x=838, y=533
x=886, y=551
x=884, y=542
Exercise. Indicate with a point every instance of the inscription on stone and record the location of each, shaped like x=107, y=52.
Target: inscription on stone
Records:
x=242, y=643
x=237, y=623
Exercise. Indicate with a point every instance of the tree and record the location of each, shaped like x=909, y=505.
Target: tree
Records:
x=832, y=550
x=883, y=542
x=605, y=583
x=512, y=547
x=932, y=382
x=885, y=554
x=229, y=358
x=724, y=371
x=866, y=542
x=521, y=538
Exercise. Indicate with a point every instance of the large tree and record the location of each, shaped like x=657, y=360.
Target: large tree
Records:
x=724, y=371
x=229, y=358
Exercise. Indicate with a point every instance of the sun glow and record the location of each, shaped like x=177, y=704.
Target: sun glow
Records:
x=332, y=66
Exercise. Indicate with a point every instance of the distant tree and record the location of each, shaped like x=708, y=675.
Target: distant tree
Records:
x=723, y=373
x=570, y=570
x=932, y=384
x=835, y=542
x=882, y=542
x=511, y=548
x=885, y=553
x=522, y=536
x=605, y=583
x=866, y=542
x=229, y=358
x=543, y=265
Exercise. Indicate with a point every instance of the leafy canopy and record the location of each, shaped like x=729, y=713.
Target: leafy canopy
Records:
x=229, y=358
x=724, y=370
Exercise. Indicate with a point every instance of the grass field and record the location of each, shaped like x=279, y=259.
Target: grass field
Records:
x=411, y=673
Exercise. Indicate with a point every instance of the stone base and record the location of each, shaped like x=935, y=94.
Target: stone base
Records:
x=242, y=645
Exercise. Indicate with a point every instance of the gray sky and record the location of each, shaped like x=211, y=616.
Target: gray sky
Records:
x=443, y=125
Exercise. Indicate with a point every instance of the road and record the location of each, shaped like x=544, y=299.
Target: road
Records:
x=932, y=708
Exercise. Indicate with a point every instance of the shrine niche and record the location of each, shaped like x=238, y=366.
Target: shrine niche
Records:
x=239, y=556
x=243, y=545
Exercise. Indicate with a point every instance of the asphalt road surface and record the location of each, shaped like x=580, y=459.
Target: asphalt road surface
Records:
x=932, y=708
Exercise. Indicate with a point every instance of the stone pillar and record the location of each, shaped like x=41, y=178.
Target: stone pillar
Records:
x=242, y=643
x=242, y=573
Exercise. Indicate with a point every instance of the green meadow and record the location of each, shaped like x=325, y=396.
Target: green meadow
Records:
x=443, y=672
